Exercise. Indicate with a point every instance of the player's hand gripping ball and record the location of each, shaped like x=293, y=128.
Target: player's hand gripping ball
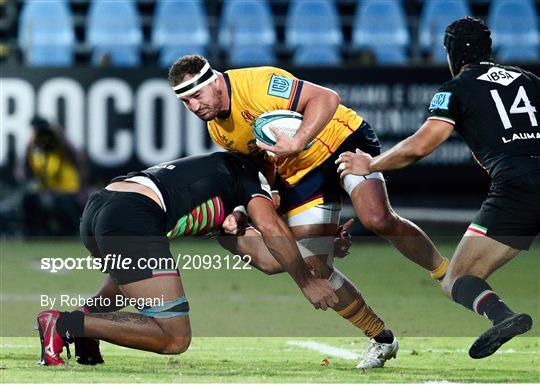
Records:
x=285, y=122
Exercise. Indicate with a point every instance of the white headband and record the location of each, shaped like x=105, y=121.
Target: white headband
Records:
x=201, y=79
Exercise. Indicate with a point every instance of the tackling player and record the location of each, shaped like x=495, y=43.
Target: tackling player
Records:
x=135, y=216
x=229, y=102
x=494, y=108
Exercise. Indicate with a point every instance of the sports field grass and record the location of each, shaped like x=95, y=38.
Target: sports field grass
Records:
x=242, y=360
x=249, y=327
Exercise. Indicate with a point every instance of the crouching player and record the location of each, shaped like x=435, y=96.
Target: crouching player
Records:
x=129, y=220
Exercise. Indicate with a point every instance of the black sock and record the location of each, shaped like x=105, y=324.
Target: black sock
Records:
x=70, y=324
x=386, y=336
x=476, y=295
x=93, y=309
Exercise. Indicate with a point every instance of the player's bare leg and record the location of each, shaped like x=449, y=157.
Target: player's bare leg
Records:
x=351, y=305
x=169, y=335
x=168, y=331
x=371, y=204
x=87, y=350
x=475, y=259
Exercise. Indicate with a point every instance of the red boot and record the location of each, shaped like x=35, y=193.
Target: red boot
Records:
x=51, y=342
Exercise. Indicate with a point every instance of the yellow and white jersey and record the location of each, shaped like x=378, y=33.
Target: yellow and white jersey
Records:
x=254, y=91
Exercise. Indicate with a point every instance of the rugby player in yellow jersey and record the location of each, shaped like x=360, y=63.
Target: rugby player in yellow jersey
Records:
x=229, y=102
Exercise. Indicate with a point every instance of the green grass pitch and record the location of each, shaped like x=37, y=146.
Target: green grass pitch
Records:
x=249, y=327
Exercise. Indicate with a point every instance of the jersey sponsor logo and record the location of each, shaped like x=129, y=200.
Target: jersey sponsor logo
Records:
x=521, y=136
x=228, y=142
x=440, y=101
x=500, y=76
x=280, y=86
x=163, y=165
x=248, y=117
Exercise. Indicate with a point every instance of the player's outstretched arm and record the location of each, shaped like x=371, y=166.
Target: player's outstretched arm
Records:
x=251, y=244
x=422, y=143
x=282, y=245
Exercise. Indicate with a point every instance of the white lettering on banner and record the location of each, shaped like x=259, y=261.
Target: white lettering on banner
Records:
x=92, y=113
x=420, y=94
x=98, y=95
x=395, y=121
x=367, y=94
x=196, y=136
x=16, y=111
x=70, y=91
x=147, y=94
x=88, y=112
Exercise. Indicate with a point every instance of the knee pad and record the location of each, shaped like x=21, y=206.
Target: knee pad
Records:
x=351, y=181
x=316, y=246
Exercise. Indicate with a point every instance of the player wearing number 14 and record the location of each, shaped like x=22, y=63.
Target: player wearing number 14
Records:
x=494, y=108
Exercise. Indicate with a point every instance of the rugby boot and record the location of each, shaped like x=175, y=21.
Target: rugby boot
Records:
x=52, y=343
x=378, y=353
x=499, y=334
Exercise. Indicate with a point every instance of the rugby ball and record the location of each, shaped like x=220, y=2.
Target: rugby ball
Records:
x=286, y=121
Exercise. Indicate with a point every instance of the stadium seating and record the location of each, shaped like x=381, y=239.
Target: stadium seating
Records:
x=47, y=41
x=312, y=56
x=387, y=40
x=312, y=22
x=514, y=26
x=247, y=32
x=435, y=16
x=179, y=28
x=113, y=28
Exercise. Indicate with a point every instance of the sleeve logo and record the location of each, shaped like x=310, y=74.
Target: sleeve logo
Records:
x=440, y=101
x=280, y=86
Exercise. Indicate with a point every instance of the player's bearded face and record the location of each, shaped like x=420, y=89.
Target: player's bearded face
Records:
x=205, y=103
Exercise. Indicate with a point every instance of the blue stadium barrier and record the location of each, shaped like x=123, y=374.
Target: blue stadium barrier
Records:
x=435, y=17
x=514, y=27
x=179, y=28
x=113, y=28
x=46, y=41
x=313, y=22
x=387, y=40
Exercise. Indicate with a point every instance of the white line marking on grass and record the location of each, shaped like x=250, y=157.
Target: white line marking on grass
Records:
x=354, y=355
x=461, y=350
x=326, y=349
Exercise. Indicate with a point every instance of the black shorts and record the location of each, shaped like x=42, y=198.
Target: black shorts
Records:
x=511, y=212
x=324, y=181
x=128, y=229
